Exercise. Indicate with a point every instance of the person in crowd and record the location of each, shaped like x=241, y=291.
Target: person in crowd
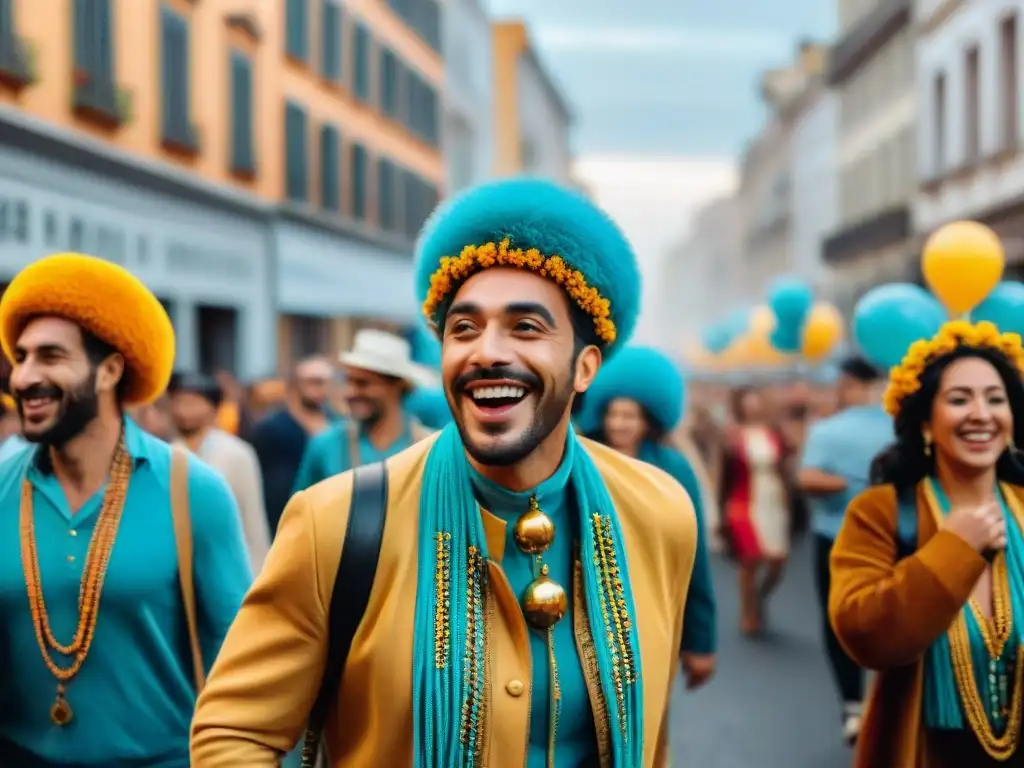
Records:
x=755, y=505
x=565, y=563
x=195, y=404
x=261, y=398
x=834, y=470
x=928, y=567
x=231, y=415
x=155, y=418
x=101, y=671
x=379, y=373
x=633, y=405
x=280, y=439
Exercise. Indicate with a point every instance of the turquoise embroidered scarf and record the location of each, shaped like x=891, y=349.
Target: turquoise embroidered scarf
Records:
x=942, y=705
x=449, y=657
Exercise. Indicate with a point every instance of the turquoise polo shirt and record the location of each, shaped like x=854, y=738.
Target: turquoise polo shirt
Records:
x=134, y=695
x=844, y=445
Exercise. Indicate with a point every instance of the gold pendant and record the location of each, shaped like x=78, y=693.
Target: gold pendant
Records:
x=534, y=531
x=544, y=602
x=60, y=712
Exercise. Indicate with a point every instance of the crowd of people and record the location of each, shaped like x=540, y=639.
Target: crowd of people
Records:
x=505, y=561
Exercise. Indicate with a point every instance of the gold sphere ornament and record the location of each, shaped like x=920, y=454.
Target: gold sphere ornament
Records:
x=534, y=530
x=544, y=602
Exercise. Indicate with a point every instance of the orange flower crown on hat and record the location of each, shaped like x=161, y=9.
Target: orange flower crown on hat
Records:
x=905, y=378
x=455, y=269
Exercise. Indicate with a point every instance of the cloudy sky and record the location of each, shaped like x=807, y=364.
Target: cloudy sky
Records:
x=665, y=93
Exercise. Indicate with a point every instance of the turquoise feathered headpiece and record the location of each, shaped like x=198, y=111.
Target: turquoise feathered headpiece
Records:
x=642, y=374
x=537, y=225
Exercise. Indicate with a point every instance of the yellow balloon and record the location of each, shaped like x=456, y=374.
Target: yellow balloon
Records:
x=962, y=262
x=823, y=330
x=762, y=321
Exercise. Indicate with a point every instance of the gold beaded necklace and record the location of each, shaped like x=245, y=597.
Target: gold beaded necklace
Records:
x=93, y=575
x=996, y=633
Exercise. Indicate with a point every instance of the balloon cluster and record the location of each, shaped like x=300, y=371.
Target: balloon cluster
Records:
x=791, y=326
x=963, y=264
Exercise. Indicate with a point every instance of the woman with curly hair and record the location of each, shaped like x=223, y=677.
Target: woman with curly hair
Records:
x=928, y=568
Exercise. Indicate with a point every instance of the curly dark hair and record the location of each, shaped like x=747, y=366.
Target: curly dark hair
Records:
x=905, y=463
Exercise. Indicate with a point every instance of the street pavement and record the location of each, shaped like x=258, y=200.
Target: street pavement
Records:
x=771, y=703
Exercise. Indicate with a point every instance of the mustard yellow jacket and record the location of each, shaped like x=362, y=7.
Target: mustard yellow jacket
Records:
x=262, y=686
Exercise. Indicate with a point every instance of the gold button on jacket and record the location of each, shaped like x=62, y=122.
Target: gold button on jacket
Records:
x=262, y=686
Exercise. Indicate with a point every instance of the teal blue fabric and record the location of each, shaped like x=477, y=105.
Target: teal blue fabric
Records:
x=448, y=506
x=327, y=454
x=576, y=739
x=429, y=407
x=844, y=445
x=642, y=374
x=133, y=698
x=537, y=213
x=942, y=707
x=700, y=621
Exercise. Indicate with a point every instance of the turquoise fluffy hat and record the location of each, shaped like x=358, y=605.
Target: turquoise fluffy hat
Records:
x=642, y=374
x=538, y=225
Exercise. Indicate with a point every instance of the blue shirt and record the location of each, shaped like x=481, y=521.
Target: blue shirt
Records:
x=134, y=695
x=844, y=445
x=12, y=446
x=329, y=453
x=576, y=738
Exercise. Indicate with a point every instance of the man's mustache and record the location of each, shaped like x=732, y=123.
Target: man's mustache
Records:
x=497, y=373
x=36, y=391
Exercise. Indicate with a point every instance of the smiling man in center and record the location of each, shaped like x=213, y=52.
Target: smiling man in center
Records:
x=529, y=594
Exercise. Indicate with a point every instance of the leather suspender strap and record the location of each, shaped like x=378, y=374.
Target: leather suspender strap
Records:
x=183, y=540
x=351, y=595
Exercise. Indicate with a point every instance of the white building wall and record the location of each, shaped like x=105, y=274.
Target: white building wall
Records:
x=544, y=126
x=943, y=51
x=469, y=102
x=814, y=186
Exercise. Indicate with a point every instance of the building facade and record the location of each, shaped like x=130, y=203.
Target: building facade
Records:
x=702, y=278
x=532, y=121
x=469, y=102
x=259, y=158
x=872, y=70
x=814, y=182
x=969, y=125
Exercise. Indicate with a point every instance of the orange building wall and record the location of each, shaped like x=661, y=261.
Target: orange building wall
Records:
x=508, y=42
x=47, y=26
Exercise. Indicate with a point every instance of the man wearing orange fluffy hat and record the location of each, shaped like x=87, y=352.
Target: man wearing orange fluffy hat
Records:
x=103, y=530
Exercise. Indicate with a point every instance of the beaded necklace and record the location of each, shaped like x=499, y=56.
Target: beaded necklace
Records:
x=93, y=575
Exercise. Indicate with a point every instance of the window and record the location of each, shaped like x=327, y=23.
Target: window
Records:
x=972, y=108
x=242, y=150
x=359, y=163
x=297, y=29
x=175, y=70
x=93, y=41
x=330, y=168
x=363, y=49
x=420, y=199
x=386, y=217
x=423, y=110
x=939, y=120
x=1008, y=82
x=389, y=66
x=296, y=139
x=330, y=64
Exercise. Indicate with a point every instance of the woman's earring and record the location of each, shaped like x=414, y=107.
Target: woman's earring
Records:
x=927, y=437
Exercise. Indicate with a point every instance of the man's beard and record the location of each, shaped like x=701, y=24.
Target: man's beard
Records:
x=78, y=408
x=551, y=409
x=374, y=411
x=310, y=405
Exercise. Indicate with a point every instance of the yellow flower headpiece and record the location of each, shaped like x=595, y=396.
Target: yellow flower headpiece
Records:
x=455, y=269
x=905, y=378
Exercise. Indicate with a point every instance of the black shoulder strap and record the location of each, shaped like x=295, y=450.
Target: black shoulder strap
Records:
x=356, y=571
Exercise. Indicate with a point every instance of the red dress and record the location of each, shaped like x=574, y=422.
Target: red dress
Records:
x=756, y=512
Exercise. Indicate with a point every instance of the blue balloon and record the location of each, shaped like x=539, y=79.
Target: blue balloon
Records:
x=888, y=319
x=791, y=300
x=1004, y=308
x=717, y=338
